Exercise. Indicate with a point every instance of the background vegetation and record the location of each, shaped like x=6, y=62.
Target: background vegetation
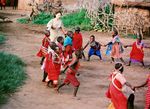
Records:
x=70, y=20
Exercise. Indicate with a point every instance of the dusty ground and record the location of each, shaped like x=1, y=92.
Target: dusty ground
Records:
x=25, y=42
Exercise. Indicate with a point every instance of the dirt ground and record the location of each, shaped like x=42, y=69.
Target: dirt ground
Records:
x=24, y=40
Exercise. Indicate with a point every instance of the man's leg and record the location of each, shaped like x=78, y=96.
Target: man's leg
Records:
x=88, y=58
x=98, y=53
x=83, y=55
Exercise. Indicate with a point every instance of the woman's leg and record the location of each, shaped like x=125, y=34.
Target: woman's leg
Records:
x=63, y=84
x=143, y=64
x=113, y=60
x=122, y=60
x=75, y=91
x=129, y=63
x=44, y=76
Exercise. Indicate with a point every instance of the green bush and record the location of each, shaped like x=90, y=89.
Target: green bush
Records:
x=133, y=36
x=23, y=20
x=12, y=75
x=77, y=19
x=42, y=18
x=2, y=39
x=70, y=20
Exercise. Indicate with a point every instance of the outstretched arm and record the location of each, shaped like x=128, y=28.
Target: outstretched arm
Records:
x=86, y=45
x=145, y=46
x=125, y=46
x=128, y=84
x=142, y=85
x=72, y=66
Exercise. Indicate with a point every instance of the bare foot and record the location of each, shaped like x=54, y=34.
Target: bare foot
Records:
x=76, y=98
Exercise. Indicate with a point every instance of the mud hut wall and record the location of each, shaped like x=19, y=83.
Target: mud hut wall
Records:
x=128, y=20
x=121, y=2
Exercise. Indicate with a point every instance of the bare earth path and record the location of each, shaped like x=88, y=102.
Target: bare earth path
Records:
x=24, y=42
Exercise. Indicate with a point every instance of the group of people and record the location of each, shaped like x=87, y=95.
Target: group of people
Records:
x=61, y=52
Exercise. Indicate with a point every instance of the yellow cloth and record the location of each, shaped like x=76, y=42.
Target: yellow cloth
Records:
x=111, y=106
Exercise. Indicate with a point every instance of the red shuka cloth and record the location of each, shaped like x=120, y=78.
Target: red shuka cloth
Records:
x=71, y=76
x=45, y=44
x=117, y=97
x=147, y=103
x=137, y=53
x=77, y=41
x=51, y=68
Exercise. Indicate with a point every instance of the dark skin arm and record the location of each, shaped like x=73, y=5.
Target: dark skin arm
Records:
x=128, y=84
x=86, y=46
x=73, y=65
x=127, y=46
x=142, y=85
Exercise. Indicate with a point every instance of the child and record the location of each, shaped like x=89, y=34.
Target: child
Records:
x=109, y=49
x=53, y=65
x=71, y=74
x=44, y=48
x=117, y=49
x=60, y=42
x=78, y=41
x=95, y=48
x=68, y=48
x=147, y=83
x=137, y=53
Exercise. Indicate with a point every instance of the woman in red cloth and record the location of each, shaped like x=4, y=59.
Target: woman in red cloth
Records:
x=71, y=74
x=43, y=51
x=53, y=65
x=114, y=92
x=137, y=53
x=147, y=83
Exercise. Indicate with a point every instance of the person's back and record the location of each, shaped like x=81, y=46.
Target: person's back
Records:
x=77, y=41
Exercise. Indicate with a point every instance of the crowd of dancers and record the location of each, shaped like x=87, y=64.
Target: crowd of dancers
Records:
x=62, y=54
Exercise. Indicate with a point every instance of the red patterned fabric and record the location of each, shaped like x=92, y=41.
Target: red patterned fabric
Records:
x=137, y=52
x=52, y=68
x=77, y=41
x=116, y=96
x=71, y=77
x=148, y=94
x=44, y=48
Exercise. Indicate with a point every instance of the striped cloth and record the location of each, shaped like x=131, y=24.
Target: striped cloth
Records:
x=148, y=94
